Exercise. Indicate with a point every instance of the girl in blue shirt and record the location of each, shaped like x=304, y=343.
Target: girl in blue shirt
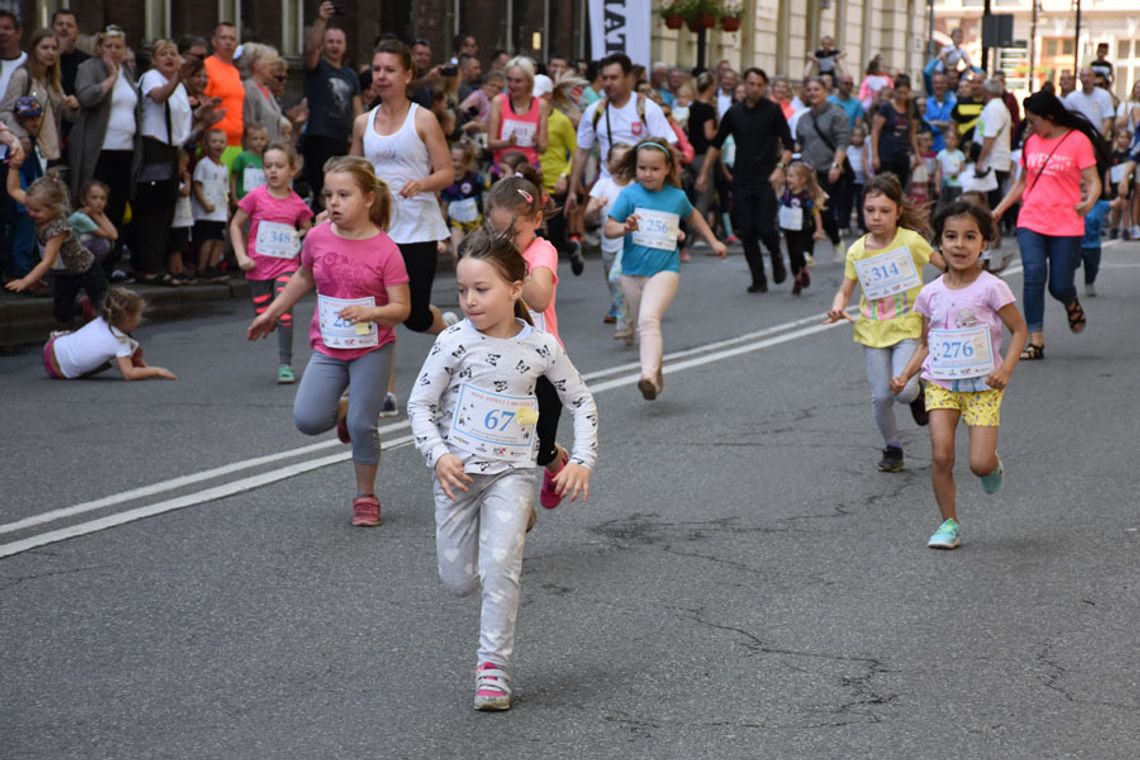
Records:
x=648, y=215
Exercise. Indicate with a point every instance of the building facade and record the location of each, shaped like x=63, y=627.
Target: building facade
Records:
x=1053, y=40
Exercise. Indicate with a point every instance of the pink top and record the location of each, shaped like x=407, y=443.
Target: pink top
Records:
x=352, y=269
x=263, y=207
x=1053, y=184
x=524, y=125
x=541, y=253
x=976, y=304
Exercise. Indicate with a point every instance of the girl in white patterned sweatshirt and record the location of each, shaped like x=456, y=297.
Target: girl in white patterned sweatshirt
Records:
x=473, y=413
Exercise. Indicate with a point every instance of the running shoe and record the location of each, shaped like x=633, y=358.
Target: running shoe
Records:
x=119, y=276
x=577, y=263
x=805, y=277
x=390, y=407
x=647, y=388
x=809, y=260
x=797, y=285
x=892, y=460
x=948, y=536
x=609, y=319
x=918, y=408
x=1113, y=234
x=548, y=495
x=991, y=483
x=758, y=287
x=840, y=252
x=779, y=273
x=342, y=421
x=366, y=511
x=1090, y=290
x=492, y=690
x=285, y=375
x=450, y=318
x=731, y=240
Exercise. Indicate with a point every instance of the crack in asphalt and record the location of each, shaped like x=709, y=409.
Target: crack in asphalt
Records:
x=1052, y=680
x=10, y=581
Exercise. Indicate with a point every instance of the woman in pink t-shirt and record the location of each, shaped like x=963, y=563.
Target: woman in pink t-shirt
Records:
x=1062, y=152
x=362, y=294
x=518, y=118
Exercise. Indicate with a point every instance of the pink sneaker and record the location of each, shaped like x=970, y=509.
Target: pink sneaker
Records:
x=366, y=511
x=548, y=496
x=492, y=691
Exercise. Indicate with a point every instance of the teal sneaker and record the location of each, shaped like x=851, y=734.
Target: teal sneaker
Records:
x=991, y=483
x=946, y=537
x=285, y=375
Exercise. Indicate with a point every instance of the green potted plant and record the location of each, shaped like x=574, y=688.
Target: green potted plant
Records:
x=702, y=14
x=673, y=13
x=730, y=17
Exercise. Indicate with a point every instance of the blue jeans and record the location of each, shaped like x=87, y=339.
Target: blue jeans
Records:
x=1047, y=258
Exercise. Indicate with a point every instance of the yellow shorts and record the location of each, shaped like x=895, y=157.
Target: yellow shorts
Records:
x=466, y=227
x=978, y=409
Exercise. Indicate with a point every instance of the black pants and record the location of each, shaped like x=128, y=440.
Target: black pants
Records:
x=898, y=167
x=317, y=150
x=114, y=170
x=754, y=212
x=799, y=242
x=67, y=287
x=152, y=212
x=830, y=214
x=857, y=202
x=420, y=260
x=556, y=227
x=994, y=196
x=549, y=412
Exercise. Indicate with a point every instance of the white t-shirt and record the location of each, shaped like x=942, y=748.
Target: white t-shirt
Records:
x=154, y=114
x=183, y=214
x=608, y=191
x=723, y=103
x=995, y=122
x=90, y=347
x=626, y=124
x=215, y=179
x=7, y=67
x=121, y=126
x=1096, y=107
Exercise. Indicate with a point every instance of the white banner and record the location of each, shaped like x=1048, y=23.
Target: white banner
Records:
x=621, y=26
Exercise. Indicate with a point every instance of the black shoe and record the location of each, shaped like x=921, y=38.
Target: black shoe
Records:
x=758, y=287
x=779, y=273
x=918, y=408
x=577, y=263
x=892, y=460
x=805, y=278
x=797, y=285
x=1113, y=234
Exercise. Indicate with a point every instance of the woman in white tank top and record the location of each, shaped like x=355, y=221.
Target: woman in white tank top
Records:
x=409, y=152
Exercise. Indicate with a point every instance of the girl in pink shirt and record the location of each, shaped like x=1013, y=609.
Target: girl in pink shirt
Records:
x=1063, y=151
x=278, y=219
x=516, y=206
x=362, y=294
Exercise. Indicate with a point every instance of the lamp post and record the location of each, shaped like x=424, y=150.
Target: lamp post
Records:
x=1077, y=42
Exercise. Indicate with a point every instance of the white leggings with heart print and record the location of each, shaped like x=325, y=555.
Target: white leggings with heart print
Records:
x=479, y=541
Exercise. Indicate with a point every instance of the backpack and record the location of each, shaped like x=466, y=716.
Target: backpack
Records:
x=604, y=105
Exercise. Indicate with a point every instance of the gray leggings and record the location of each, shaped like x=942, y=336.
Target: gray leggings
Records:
x=882, y=365
x=479, y=540
x=325, y=378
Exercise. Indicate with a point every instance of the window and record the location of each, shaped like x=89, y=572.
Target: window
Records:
x=1050, y=48
x=1122, y=50
x=1067, y=46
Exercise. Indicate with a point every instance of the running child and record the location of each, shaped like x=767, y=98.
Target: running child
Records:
x=959, y=354
x=211, y=199
x=362, y=294
x=247, y=173
x=279, y=219
x=74, y=266
x=801, y=201
x=463, y=199
x=96, y=231
x=602, y=197
x=648, y=215
x=1090, y=242
x=887, y=264
x=472, y=412
x=103, y=342
x=515, y=208
x=859, y=155
x=948, y=172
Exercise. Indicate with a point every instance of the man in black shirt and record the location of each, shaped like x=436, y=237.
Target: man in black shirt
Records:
x=66, y=28
x=763, y=149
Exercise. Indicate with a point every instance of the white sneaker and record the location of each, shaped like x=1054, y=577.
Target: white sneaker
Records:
x=840, y=252
x=1090, y=290
x=1135, y=232
x=390, y=407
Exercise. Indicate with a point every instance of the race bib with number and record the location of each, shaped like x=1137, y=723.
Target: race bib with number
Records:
x=1116, y=173
x=252, y=178
x=656, y=229
x=495, y=426
x=522, y=130
x=960, y=354
x=280, y=241
x=791, y=218
x=465, y=211
x=888, y=273
x=340, y=333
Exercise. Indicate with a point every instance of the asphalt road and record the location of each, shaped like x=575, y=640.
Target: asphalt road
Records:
x=743, y=583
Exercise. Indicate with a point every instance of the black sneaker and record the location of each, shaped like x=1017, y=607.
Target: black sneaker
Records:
x=761, y=287
x=918, y=408
x=779, y=273
x=577, y=263
x=892, y=460
x=1113, y=234
x=797, y=285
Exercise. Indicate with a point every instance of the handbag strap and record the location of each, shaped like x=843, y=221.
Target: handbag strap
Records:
x=1045, y=164
x=830, y=145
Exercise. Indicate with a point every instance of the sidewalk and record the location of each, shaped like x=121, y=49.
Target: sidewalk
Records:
x=27, y=321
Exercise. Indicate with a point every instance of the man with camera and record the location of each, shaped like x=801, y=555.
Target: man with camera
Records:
x=332, y=90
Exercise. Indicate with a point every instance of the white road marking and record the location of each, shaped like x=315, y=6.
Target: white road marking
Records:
x=273, y=476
